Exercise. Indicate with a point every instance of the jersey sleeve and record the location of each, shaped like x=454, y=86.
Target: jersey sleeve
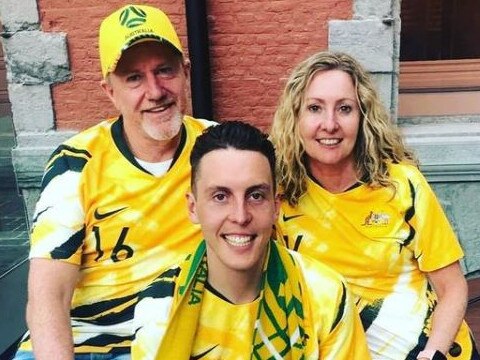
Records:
x=346, y=340
x=58, y=229
x=152, y=314
x=334, y=315
x=437, y=245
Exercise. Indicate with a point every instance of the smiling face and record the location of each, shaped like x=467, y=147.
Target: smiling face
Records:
x=234, y=202
x=148, y=87
x=329, y=121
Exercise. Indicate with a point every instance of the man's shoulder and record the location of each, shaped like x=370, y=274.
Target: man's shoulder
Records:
x=408, y=179
x=197, y=125
x=93, y=136
x=402, y=171
x=75, y=152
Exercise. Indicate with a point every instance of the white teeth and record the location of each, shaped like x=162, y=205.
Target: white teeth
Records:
x=329, y=141
x=237, y=240
x=159, y=108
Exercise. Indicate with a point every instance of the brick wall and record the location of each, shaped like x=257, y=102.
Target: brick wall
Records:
x=254, y=44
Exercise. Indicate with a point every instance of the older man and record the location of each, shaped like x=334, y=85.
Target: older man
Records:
x=111, y=215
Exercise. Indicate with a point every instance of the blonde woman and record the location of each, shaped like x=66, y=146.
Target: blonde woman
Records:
x=353, y=197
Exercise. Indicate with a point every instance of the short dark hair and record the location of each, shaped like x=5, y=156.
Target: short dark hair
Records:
x=231, y=134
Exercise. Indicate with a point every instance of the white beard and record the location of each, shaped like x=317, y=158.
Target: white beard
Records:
x=166, y=130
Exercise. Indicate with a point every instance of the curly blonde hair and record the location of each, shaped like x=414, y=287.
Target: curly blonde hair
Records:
x=378, y=142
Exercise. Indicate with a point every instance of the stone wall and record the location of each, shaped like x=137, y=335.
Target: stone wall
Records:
x=372, y=37
x=35, y=60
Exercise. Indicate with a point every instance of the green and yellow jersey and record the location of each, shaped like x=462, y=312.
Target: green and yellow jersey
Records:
x=100, y=210
x=226, y=331
x=383, y=242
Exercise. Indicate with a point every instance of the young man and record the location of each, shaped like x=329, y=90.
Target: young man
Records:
x=111, y=216
x=240, y=295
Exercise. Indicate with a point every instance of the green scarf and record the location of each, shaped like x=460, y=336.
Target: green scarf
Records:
x=279, y=329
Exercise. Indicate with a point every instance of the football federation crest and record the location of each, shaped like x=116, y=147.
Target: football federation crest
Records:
x=376, y=219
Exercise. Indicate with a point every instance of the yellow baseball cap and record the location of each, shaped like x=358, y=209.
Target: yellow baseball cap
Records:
x=130, y=25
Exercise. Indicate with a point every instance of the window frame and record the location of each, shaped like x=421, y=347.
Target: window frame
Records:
x=439, y=76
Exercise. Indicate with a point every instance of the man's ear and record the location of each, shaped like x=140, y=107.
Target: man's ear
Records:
x=192, y=208
x=186, y=68
x=108, y=90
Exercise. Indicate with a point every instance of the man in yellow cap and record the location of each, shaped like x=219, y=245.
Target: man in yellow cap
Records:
x=112, y=216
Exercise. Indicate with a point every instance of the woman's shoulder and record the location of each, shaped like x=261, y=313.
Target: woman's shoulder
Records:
x=405, y=171
x=197, y=125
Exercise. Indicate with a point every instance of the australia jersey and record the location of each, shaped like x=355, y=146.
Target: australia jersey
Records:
x=383, y=241
x=225, y=330
x=100, y=210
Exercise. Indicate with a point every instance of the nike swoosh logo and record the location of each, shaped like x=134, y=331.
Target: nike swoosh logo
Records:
x=286, y=218
x=199, y=356
x=99, y=216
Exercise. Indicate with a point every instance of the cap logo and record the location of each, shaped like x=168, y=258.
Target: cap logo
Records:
x=132, y=17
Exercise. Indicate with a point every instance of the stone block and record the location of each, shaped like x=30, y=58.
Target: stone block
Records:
x=383, y=84
x=6, y=125
x=31, y=107
x=30, y=197
x=370, y=41
x=31, y=154
x=29, y=159
x=29, y=164
x=373, y=9
x=460, y=202
x=441, y=120
x=447, y=147
x=19, y=15
x=49, y=140
x=35, y=57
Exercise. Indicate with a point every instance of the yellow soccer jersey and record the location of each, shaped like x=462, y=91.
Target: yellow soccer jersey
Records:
x=382, y=243
x=225, y=330
x=123, y=226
